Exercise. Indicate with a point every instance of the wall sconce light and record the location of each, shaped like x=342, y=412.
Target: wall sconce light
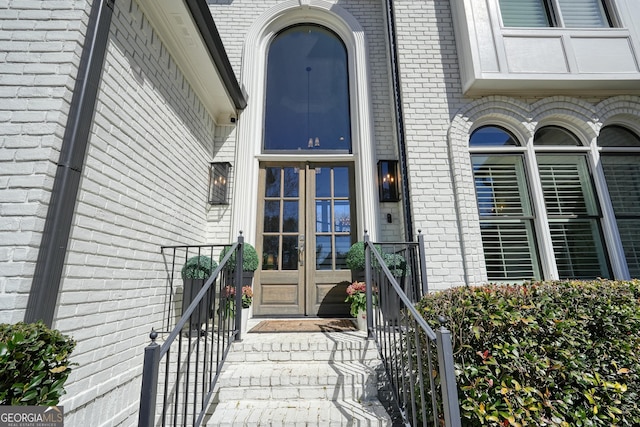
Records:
x=218, y=183
x=388, y=180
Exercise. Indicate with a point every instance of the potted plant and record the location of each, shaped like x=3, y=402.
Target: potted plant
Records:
x=249, y=262
x=230, y=303
x=194, y=273
x=357, y=298
x=355, y=261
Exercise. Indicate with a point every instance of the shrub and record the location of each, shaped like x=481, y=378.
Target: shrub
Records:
x=34, y=364
x=198, y=267
x=546, y=353
x=355, y=259
x=249, y=257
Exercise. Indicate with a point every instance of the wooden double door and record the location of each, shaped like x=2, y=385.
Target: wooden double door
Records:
x=306, y=224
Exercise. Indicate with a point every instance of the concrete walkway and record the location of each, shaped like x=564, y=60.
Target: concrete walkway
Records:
x=300, y=379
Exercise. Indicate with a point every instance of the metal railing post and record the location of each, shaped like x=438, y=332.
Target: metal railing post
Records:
x=146, y=414
x=423, y=265
x=238, y=302
x=450, y=403
x=369, y=285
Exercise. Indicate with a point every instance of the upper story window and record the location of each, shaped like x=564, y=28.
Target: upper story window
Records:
x=307, y=96
x=556, y=13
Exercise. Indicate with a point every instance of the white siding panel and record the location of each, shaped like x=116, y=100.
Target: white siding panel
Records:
x=614, y=55
x=535, y=55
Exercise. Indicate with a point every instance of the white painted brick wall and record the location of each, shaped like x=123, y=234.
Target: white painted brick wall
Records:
x=39, y=54
x=431, y=95
x=144, y=185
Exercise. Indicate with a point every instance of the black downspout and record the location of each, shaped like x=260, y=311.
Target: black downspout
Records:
x=397, y=98
x=48, y=272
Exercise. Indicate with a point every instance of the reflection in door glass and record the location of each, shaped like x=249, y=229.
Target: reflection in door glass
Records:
x=343, y=243
x=272, y=182
x=323, y=216
x=272, y=216
x=270, y=253
x=291, y=182
x=289, y=252
x=290, y=220
x=323, y=182
x=341, y=180
x=343, y=216
x=323, y=253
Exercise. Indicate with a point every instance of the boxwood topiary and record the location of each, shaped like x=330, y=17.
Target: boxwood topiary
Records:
x=249, y=257
x=546, y=353
x=198, y=267
x=34, y=364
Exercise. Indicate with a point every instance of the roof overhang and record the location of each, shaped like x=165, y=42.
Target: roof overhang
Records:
x=188, y=31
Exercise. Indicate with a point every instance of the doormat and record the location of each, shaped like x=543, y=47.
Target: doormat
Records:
x=305, y=325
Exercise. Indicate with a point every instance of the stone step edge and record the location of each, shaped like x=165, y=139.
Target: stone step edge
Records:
x=305, y=412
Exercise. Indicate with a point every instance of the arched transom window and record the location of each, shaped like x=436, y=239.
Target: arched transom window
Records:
x=307, y=97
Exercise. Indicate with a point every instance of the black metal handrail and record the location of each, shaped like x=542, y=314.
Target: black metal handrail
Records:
x=410, y=349
x=195, y=349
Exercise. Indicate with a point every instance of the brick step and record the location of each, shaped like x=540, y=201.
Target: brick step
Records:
x=299, y=413
x=294, y=380
x=318, y=347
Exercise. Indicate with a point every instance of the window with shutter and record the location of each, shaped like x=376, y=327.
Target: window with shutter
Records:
x=583, y=13
x=555, y=13
x=573, y=215
x=524, y=13
x=506, y=217
x=622, y=173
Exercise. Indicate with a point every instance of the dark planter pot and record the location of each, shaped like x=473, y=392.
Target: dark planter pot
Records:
x=190, y=290
x=391, y=304
x=357, y=275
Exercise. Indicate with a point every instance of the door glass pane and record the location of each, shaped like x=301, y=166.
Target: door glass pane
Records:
x=341, y=182
x=291, y=182
x=323, y=216
x=524, y=13
x=343, y=216
x=323, y=182
x=289, y=252
x=270, y=253
x=307, y=93
x=272, y=216
x=290, y=220
x=323, y=253
x=343, y=243
x=272, y=182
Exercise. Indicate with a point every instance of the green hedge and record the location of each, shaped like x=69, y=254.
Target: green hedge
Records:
x=34, y=364
x=546, y=353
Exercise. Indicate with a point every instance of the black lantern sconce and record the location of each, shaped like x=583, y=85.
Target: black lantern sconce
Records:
x=388, y=180
x=218, y=183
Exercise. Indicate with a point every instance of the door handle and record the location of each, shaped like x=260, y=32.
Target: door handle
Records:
x=301, y=250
